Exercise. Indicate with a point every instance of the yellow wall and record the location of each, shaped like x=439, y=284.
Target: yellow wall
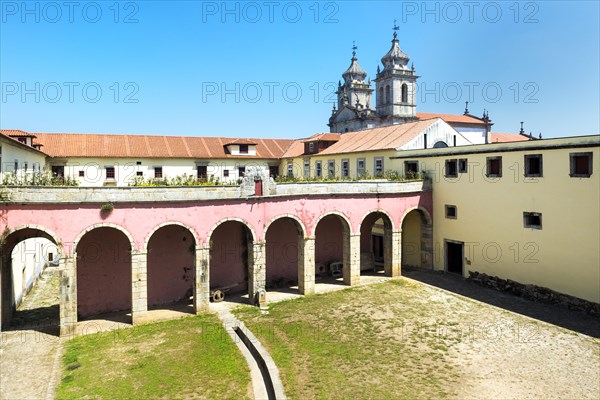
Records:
x=411, y=239
x=564, y=255
x=369, y=157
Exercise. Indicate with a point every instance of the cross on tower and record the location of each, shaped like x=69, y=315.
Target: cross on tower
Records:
x=396, y=28
x=354, y=48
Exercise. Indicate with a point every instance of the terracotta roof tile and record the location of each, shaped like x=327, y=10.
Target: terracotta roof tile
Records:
x=383, y=138
x=508, y=137
x=147, y=146
x=326, y=137
x=17, y=143
x=452, y=118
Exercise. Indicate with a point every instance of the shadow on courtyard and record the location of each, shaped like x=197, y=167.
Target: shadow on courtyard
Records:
x=555, y=314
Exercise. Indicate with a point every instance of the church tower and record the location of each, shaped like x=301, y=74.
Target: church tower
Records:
x=396, y=86
x=353, y=110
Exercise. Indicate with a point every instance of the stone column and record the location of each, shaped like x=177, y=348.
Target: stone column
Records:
x=139, y=286
x=397, y=253
x=3, y=280
x=202, y=280
x=351, y=258
x=256, y=269
x=306, y=265
x=68, y=295
x=426, y=246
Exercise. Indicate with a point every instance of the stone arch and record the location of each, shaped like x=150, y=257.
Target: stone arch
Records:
x=284, y=251
x=170, y=265
x=337, y=213
x=9, y=240
x=417, y=238
x=103, y=270
x=292, y=216
x=104, y=225
x=231, y=260
x=378, y=249
x=241, y=220
x=156, y=228
x=339, y=247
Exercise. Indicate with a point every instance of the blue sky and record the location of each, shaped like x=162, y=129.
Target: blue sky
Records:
x=268, y=68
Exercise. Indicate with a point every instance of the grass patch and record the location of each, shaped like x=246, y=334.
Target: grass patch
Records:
x=185, y=358
x=379, y=341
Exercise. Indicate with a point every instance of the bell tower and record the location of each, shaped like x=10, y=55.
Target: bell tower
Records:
x=396, y=86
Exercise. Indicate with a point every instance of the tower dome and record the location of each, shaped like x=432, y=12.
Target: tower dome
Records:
x=354, y=71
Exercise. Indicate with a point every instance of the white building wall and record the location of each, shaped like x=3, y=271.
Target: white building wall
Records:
x=29, y=259
x=476, y=135
x=128, y=169
x=438, y=131
x=26, y=161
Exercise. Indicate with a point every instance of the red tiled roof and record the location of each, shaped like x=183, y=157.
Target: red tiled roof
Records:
x=5, y=134
x=325, y=137
x=146, y=146
x=383, y=138
x=508, y=137
x=452, y=118
x=241, y=141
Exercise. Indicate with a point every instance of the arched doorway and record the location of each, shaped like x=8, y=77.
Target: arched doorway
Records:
x=29, y=257
x=284, y=251
x=417, y=240
x=171, y=264
x=332, y=250
x=376, y=244
x=103, y=267
x=230, y=257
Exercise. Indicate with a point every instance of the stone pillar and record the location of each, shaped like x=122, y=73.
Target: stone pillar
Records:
x=392, y=247
x=257, y=273
x=397, y=253
x=202, y=280
x=68, y=295
x=351, y=258
x=3, y=280
x=306, y=265
x=139, y=286
x=426, y=246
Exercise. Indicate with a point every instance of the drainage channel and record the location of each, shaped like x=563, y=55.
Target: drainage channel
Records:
x=263, y=371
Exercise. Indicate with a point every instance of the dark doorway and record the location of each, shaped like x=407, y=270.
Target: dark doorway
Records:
x=454, y=257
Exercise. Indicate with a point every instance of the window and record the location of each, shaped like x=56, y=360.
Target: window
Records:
x=380, y=101
x=411, y=168
x=440, y=145
x=331, y=169
x=138, y=163
x=16, y=166
x=22, y=140
x=388, y=95
x=59, y=171
x=110, y=173
x=463, y=165
x=290, y=170
x=139, y=173
x=318, y=171
x=25, y=166
x=581, y=165
x=494, y=167
x=311, y=147
x=378, y=167
x=451, y=168
x=158, y=172
x=404, y=93
x=243, y=149
x=345, y=168
x=241, y=172
x=360, y=168
x=273, y=170
x=533, y=165
x=201, y=172
x=50, y=257
x=81, y=174
x=225, y=173
x=532, y=220
x=451, y=212
x=307, y=168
